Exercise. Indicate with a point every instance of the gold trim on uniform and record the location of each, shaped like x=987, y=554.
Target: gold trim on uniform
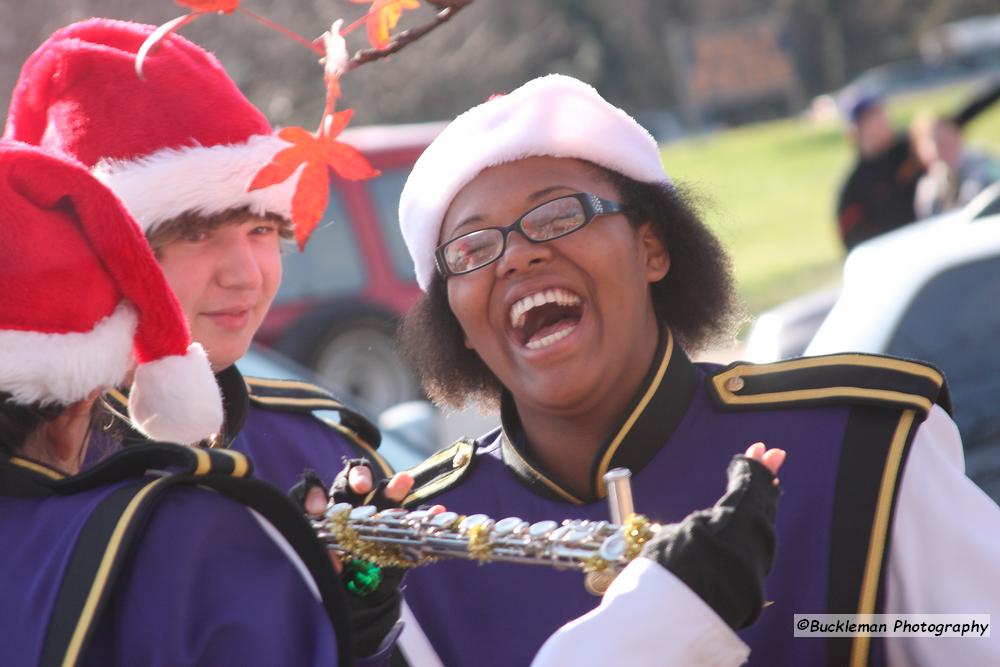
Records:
x=880, y=532
x=539, y=475
x=315, y=403
x=731, y=380
x=204, y=461
x=654, y=386
x=275, y=383
x=100, y=579
x=868, y=360
x=40, y=468
x=360, y=442
x=452, y=462
x=792, y=395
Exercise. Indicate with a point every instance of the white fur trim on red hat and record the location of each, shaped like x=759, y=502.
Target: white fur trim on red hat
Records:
x=176, y=399
x=553, y=115
x=49, y=368
x=203, y=180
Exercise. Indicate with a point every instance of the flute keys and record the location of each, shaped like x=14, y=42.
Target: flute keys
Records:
x=475, y=520
x=559, y=534
x=512, y=525
x=576, y=536
x=418, y=516
x=363, y=512
x=613, y=547
x=339, y=508
x=393, y=513
x=444, y=519
x=542, y=528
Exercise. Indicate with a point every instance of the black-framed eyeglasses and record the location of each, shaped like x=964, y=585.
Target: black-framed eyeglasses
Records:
x=552, y=220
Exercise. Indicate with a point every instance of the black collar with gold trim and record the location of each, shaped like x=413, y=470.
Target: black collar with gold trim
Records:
x=654, y=413
x=22, y=476
x=235, y=403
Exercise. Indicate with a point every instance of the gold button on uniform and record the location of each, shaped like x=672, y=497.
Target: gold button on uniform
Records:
x=460, y=459
x=734, y=383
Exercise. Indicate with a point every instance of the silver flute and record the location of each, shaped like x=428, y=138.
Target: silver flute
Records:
x=404, y=538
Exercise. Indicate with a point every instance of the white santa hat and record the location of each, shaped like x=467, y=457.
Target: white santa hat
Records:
x=82, y=292
x=181, y=139
x=554, y=115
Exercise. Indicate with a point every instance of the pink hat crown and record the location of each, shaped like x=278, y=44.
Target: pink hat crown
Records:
x=553, y=115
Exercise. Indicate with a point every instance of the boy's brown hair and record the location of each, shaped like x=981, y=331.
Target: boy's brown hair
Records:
x=191, y=222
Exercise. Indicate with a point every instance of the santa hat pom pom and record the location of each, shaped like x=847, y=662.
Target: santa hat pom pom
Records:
x=176, y=399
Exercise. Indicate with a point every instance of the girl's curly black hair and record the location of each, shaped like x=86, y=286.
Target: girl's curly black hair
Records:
x=696, y=298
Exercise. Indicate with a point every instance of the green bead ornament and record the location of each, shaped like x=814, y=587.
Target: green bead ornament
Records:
x=363, y=577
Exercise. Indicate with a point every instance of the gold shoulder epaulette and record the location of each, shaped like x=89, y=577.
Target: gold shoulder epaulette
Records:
x=301, y=396
x=440, y=471
x=836, y=379
x=290, y=394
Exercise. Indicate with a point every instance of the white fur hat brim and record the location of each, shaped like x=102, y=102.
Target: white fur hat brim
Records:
x=553, y=115
x=203, y=180
x=176, y=398
x=63, y=368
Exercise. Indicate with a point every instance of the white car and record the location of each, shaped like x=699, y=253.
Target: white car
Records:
x=931, y=291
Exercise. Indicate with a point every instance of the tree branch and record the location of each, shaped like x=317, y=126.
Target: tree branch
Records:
x=448, y=9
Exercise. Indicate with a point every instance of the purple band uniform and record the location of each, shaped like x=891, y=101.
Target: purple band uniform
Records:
x=275, y=423
x=835, y=418
x=183, y=596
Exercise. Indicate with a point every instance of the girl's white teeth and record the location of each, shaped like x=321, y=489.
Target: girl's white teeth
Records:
x=523, y=305
x=538, y=344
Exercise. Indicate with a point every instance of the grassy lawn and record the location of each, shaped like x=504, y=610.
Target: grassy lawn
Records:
x=771, y=192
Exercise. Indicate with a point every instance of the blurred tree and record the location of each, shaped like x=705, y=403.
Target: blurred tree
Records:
x=624, y=48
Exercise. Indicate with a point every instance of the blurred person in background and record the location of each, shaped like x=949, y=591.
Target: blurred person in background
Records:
x=879, y=193
x=180, y=147
x=954, y=173
x=566, y=280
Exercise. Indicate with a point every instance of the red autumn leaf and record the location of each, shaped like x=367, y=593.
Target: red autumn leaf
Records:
x=309, y=200
x=296, y=135
x=224, y=6
x=282, y=165
x=349, y=163
x=319, y=154
x=383, y=16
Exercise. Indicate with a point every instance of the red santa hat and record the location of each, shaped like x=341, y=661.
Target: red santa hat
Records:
x=82, y=294
x=181, y=139
x=553, y=115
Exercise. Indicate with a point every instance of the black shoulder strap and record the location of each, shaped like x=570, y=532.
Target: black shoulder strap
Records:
x=89, y=577
x=116, y=525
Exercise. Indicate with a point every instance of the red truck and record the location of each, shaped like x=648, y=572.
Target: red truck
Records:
x=340, y=301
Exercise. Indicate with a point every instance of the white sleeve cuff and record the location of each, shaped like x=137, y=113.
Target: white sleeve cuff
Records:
x=647, y=617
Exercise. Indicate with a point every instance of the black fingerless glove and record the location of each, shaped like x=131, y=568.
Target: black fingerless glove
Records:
x=341, y=491
x=724, y=553
x=308, y=480
x=373, y=615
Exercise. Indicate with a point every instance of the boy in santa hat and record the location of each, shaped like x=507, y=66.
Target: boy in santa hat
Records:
x=93, y=570
x=180, y=147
